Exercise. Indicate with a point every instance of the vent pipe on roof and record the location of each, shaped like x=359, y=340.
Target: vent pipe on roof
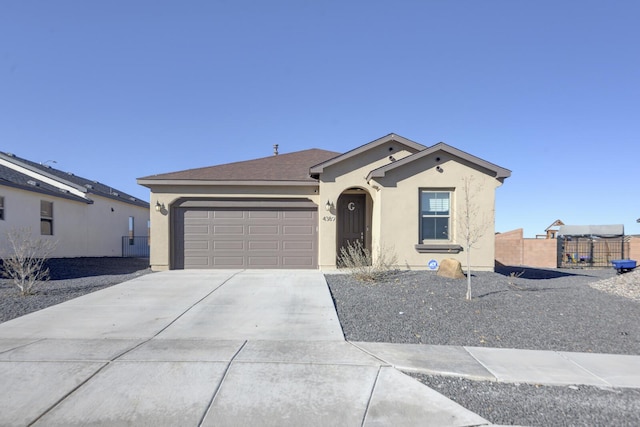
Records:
x=275, y=149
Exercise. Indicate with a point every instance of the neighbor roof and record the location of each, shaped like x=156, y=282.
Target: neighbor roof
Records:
x=15, y=179
x=289, y=167
x=592, y=230
x=66, y=179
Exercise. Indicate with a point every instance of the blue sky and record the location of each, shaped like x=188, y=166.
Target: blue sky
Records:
x=116, y=90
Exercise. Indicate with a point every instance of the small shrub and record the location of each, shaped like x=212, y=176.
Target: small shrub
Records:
x=512, y=279
x=361, y=264
x=24, y=264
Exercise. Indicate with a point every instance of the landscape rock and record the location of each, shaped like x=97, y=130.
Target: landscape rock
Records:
x=451, y=269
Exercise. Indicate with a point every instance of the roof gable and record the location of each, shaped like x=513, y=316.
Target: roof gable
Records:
x=411, y=146
x=499, y=172
x=282, y=167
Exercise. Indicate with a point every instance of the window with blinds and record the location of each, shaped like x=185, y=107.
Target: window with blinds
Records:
x=435, y=215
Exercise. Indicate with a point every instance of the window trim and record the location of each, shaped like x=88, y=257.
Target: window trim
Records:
x=46, y=219
x=424, y=243
x=444, y=248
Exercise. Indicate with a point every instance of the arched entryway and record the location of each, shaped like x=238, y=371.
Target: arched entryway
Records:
x=353, y=213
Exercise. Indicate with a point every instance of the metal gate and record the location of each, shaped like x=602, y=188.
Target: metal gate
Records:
x=135, y=247
x=582, y=252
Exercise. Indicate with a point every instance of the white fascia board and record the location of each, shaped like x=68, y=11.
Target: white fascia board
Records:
x=73, y=189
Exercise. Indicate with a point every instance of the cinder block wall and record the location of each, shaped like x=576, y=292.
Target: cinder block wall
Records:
x=541, y=253
x=513, y=249
x=509, y=247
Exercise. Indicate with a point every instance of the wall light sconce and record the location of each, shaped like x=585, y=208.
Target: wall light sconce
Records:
x=328, y=206
x=159, y=207
x=439, y=169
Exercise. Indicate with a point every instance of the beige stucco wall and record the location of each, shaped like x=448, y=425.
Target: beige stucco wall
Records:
x=394, y=224
x=398, y=220
x=80, y=229
x=343, y=177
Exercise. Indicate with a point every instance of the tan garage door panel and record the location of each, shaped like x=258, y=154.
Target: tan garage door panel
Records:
x=249, y=238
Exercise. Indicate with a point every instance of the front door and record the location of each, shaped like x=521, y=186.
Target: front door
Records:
x=351, y=220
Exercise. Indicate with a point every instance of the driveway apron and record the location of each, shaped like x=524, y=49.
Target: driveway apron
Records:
x=190, y=348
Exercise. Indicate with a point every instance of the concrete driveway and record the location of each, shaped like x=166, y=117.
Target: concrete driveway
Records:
x=190, y=348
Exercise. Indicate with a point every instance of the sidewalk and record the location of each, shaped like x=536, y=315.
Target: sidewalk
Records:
x=509, y=365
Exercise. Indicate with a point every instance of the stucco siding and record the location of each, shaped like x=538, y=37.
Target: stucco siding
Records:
x=79, y=229
x=399, y=204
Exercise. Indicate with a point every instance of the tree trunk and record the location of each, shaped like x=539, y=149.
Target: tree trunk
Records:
x=468, y=297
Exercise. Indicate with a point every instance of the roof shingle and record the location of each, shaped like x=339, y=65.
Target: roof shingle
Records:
x=283, y=167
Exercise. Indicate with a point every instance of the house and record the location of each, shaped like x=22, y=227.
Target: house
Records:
x=551, y=232
x=297, y=210
x=84, y=218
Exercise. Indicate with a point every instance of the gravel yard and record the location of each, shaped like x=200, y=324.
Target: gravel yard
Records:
x=542, y=309
x=570, y=310
x=70, y=278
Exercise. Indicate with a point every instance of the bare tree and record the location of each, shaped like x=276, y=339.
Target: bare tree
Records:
x=472, y=222
x=24, y=264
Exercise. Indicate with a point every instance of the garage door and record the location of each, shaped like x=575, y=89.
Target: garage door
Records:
x=256, y=237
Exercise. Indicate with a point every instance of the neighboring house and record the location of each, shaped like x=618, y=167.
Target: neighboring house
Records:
x=551, y=232
x=85, y=218
x=297, y=210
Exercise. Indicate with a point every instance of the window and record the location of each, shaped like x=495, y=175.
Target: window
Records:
x=46, y=218
x=435, y=215
x=131, y=232
x=1, y=208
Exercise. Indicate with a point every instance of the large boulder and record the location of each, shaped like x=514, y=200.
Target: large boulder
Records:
x=451, y=268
